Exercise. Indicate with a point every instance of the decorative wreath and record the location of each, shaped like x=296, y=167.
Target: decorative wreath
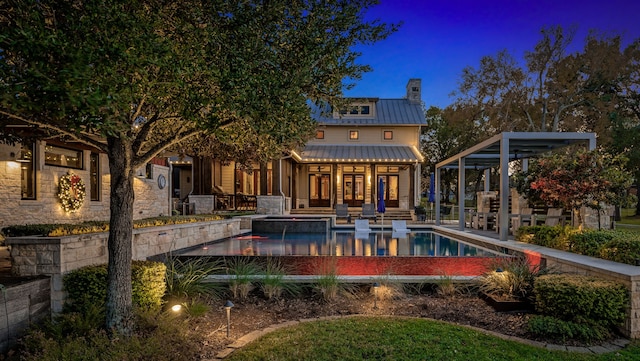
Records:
x=71, y=192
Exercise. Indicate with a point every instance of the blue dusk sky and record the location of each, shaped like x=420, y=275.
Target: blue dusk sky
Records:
x=439, y=38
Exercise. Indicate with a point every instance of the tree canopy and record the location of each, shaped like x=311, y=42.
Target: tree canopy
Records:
x=555, y=91
x=134, y=78
x=576, y=179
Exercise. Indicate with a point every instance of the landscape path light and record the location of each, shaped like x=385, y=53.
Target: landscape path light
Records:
x=227, y=307
x=376, y=285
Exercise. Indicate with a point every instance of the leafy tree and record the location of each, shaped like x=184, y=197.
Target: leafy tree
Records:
x=134, y=78
x=556, y=91
x=446, y=134
x=577, y=179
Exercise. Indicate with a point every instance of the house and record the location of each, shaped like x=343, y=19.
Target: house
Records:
x=370, y=139
x=31, y=177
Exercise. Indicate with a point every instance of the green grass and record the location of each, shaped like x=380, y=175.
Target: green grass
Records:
x=629, y=217
x=380, y=338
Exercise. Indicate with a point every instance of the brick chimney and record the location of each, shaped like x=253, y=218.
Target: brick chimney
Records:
x=414, y=91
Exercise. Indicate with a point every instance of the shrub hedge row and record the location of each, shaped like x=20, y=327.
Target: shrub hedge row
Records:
x=581, y=299
x=614, y=245
x=57, y=230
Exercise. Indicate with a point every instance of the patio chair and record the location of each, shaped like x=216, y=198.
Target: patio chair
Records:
x=342, y=212
x=524, y=218
x=369, y=212
x=554, y=217
x=362, y=225
x=399, y=226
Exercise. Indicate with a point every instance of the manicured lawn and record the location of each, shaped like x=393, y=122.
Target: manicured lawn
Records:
x=363, y=338
x=629, y=217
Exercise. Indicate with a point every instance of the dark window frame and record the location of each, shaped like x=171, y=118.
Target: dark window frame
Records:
x=79, y=153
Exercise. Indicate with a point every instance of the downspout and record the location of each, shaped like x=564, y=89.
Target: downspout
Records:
x=170, y=183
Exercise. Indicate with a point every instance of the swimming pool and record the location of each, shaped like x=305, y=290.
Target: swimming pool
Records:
x=412, y=253
x=341, y=243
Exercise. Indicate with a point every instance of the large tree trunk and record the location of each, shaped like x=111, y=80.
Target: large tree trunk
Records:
x=119, y=303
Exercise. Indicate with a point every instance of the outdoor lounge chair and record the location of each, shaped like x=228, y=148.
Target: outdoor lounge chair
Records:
x=399, y=226
x=369, y=212
x=524, y=218
x=554, y=217
x=342, y=212
x=362, y=225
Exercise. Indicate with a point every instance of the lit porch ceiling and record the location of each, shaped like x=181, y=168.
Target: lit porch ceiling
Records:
x=358, y=154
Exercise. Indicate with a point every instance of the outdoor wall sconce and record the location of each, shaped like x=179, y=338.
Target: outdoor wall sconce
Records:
x=227, y=307
x=20, y=157
x=376, y=285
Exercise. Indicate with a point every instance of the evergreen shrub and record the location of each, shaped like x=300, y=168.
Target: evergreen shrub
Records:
x=87, y=286
x=581, y=299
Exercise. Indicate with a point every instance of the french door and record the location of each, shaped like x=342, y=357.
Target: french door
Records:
x=390, y=190
x=353, y=189
x=319, y=190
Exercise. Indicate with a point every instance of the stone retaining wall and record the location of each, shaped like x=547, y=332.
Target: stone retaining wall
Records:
x=571, y=263
x=22, y=304
x=56, y=256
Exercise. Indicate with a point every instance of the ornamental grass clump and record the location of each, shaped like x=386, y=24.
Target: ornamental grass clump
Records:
x=272, y=284
x=243, y=271
x=187, y=279
x=511, y=279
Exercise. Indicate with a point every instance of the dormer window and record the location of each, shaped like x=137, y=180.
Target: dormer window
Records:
x=356, y=110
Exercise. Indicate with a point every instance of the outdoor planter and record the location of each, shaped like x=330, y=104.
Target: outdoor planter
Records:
x=502, y=304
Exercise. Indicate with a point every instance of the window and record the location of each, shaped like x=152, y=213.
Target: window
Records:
x=94, y=176
x=364, y=109
x=62, y=157
x=319, y=168
x=387, y=169
x=388, y=135
x=319, y=134
x=27, y=172
x=354, y=134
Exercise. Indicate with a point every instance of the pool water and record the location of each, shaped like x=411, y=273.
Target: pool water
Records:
x=341, y=243
x=347, y=253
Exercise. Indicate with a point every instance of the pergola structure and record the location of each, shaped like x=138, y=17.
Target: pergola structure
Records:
x=498, y=151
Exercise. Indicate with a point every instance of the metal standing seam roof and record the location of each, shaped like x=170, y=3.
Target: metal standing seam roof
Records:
x=387, y=112
x=360, y=153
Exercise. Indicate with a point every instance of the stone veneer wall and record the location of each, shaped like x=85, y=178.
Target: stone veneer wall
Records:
x=56, y=256
x=272, y=205
x=150, y=201
x=20, y=306
x=571, y=263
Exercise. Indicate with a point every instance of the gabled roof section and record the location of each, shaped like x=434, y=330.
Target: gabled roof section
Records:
x=387, y=112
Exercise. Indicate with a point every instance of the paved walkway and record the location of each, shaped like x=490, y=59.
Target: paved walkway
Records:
x=613, y=346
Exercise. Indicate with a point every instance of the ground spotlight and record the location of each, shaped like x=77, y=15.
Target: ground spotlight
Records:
x=227, y=307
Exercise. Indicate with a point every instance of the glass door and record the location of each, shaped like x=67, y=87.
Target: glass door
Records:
x=390, y=190
x=319, y=187
x=353, y=189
